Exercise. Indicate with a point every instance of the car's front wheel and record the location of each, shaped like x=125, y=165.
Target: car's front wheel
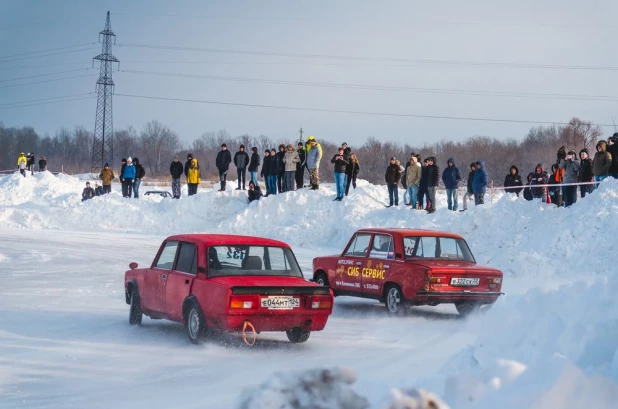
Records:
x=466, y=309
x=297, y=335
x=135, y=309
x=394, y=300
x=196, y=324
x=320, y=278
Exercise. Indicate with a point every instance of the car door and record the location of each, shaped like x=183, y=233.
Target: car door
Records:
x=153, y=298
x=377, y=268
x=179, y=280
x=350, y=263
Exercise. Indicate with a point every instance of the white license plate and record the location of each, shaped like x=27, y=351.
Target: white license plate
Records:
x=280, y=303
x=465, y=281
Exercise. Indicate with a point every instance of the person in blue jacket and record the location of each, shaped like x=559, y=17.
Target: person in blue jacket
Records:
x=451, y=178
x=479, y=183
x=128, y=178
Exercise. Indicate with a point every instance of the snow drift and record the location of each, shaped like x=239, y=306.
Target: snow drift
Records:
x=551, y=339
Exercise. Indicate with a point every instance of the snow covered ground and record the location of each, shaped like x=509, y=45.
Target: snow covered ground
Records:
x=65, y=341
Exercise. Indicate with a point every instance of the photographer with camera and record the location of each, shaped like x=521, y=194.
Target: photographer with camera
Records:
x=571, y=166
x=612, y=149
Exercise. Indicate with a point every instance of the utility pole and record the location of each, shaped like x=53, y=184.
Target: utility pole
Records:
x=301, y=136
x=103, y=143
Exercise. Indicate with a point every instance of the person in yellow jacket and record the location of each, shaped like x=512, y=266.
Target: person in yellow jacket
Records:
x=314, y=156
x=107, y=175
x=193, y=177
x=22, y=162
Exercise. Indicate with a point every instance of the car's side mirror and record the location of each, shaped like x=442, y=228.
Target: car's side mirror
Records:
x=133, y=265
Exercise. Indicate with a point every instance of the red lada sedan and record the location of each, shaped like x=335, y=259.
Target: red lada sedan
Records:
x=409, y=267
x=216, y=283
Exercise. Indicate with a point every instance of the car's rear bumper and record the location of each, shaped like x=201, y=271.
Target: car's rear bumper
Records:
x=463, y=294
x=268, y=322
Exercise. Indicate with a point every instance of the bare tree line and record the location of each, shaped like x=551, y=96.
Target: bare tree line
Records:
x=156, y=144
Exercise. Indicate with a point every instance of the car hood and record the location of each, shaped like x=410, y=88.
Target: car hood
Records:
x=263, y=281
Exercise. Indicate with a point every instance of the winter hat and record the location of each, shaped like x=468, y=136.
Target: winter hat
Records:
x=106, y=165
x=136, y=161
x=87, y=183
x=281, y=146
x=290, y=146
x=345, y=143
x=267, y=150
x=393, y=158
x=129, y=160
x=300, y=144
x=583, y=151
x=572, y=151
x=311, y=138
x=242, y=146
x=223, y=145
x=254, y=149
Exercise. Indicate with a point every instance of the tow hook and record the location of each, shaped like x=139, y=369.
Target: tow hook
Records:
x=308, y=323
x=244, y=333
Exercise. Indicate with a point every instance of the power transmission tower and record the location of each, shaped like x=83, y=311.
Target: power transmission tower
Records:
x=103, y=144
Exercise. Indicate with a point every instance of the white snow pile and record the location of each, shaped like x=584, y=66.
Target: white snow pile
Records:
x=326, y=389
x=312, y=389
x=552, y=341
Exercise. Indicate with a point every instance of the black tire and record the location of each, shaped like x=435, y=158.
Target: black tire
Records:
x=465, y=309
x=196, y=324
x=393, y=299
x=296, y=335
x=322, y=279
x=135, y=309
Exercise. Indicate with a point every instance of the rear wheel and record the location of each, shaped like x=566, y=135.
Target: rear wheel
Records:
x=467, y=308
x=135, y=310
x=321, y=279
x=196, y=324
x=296, y=335
x=394, y=299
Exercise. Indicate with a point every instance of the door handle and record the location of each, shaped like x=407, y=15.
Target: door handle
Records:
x=186, y=281
x=386, y=267
x=164, y=276
x=359, y=263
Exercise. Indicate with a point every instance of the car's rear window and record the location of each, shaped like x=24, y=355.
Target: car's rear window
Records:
x=446, y=248
x=237, y=260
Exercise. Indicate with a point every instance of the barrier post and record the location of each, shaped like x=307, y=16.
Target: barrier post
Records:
x=491, y=195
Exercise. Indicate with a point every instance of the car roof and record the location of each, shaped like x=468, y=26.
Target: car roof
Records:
x=226, y=239
x=402, y=231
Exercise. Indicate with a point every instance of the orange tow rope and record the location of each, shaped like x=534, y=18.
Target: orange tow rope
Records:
x=244, y=333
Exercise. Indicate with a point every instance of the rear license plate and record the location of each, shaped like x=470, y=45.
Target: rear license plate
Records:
x=465, y=281
x=280, y=303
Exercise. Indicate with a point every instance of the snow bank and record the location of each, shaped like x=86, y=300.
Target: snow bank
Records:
x=313, y=389
x=327, y=389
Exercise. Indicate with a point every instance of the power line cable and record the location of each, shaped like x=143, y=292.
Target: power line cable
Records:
x=377, y=59
x=48, y=55
x=364, y=21
x=46, y=99
x=48, y=74
x=387, y=88
x=50, y=80
x=22, y=67
x=45, y=51
x=341, y=111
x=45, y=103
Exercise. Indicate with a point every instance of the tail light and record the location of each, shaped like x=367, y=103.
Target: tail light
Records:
x=494, y=282
x=247, y=302
x=318, y=302
x=434, y=280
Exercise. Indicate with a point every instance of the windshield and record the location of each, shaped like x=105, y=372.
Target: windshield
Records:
x=252, y=260
x=445, y=248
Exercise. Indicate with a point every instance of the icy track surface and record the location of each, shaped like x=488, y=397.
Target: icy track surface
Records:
x=65, y=341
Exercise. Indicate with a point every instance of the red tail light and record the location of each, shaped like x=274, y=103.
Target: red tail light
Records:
x=247, y=302
x=318, y=302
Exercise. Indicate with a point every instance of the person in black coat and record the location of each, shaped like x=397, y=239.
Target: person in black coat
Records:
x=392, y=177
x=254, y=192
x=341, y=163
x=469, y=195
x=352, y=170
x=224, y=158
x=176, y=171
x=585, y=172
x=241, y=161
x=513, y=182
x=140, y=172
x=265, y=173
x=42, y=164
x=123, y=164
x=280, y=168
x=528, y=189
x=433, y=179
x=188, y=164
x=254, y=165
x=540, y=177
x=88, y=192
x=300, y=166
x=31, y=158
x=422, y=187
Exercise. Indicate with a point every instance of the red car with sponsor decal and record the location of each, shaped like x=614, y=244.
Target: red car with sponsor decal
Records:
x=410, y=267
x=218, y=283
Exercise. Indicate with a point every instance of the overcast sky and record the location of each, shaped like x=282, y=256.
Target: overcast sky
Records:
x=560, y=32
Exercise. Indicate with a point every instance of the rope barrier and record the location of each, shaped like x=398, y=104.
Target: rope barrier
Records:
x=244, y=333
